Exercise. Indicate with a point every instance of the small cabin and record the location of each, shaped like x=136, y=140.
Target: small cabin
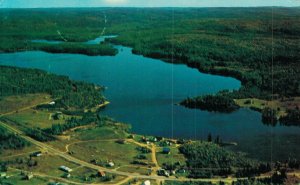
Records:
x=29, y=176
x=166, y=150
x=101, y=174
x=121, y=141
x=36, y=154
x=52, y=103
x=65, y=169
x=147, y=182
x=67, y=176
x=111, y=164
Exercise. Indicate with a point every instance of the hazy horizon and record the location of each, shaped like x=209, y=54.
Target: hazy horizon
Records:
x=144, y=3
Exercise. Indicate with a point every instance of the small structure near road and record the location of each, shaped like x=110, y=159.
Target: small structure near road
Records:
x=166, y=150
x=121, y=141
x=163, y=172
x=28, y=176
x=111, y=164
x=147, y=182
x=36, y=154
x=65, y=169
x=52, y=103
x=67, y=175
x=101, y=174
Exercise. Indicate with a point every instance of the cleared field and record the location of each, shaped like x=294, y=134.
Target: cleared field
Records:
x=15, y=103
x=7, y=154
x=173, y=157
x=135, y=169
x=104, y=151
x=15, y=177
x=280, y=105
x=46, y=164
x=98, y=133
x=86, y=175
x=36, y=118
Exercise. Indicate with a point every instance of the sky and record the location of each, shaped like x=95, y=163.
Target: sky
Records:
x=144, y=3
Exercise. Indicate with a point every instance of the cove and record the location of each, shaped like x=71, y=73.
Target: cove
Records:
x=143, y=93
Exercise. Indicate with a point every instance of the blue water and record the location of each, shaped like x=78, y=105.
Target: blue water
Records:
x=143, y=91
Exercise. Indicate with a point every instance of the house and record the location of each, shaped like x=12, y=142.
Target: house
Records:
x=101, y=174
x=173, y=172
x=111, y=164
x=166, y=150
x=2, y=175
x=65, y=169
x=163, y=172
x=121, y=141
x=147, y=182
x=67, y=175
x=153, y=139
x=144, y=139
x=52, y=103
x=36, y=154
x=131, y=136
x=29, y=176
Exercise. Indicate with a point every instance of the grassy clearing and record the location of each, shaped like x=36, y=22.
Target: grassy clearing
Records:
x=87, y=133
x=173, y=157
x=7, y=154
x=104, y=151
x=135, y=169
x=280, y=105
x=17, y=178
x=98, y=133
x=15, y=103
x=37, y=118
x=46, y=164
x=87, y=175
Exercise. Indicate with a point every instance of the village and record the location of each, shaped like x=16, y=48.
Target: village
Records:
x=108, y=147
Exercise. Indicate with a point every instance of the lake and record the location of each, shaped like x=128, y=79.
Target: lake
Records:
x=143, y=92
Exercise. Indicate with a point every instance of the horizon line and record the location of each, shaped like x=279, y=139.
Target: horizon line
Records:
x=61, y=7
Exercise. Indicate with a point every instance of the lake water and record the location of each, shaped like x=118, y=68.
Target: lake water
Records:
x=143, y=91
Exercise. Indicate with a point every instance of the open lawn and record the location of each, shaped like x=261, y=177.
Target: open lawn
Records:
x=105, y=132
x=135, y=169
x=87, y=175
x=46, y=164
x=15, y=103
x=104, y=151
x=7, y=154
x=174, y=157
x=36, y=118
x=15, y=177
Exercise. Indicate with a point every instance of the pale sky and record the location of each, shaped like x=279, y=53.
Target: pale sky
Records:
x=144, y=3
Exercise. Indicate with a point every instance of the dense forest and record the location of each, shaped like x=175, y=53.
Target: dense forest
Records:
x=52, y=25
x=259, y=46
x=10, y=141
x=292, y=118
x=206, y=159
x=68, y=93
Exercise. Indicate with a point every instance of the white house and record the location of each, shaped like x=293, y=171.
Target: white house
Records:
x=65, y=169
x=147, y=182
